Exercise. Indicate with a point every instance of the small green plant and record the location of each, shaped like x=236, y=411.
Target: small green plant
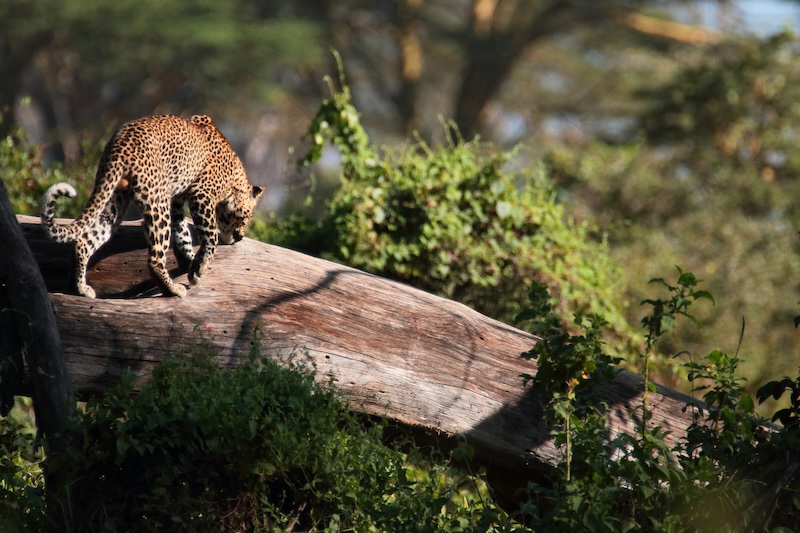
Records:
x=569, y=366
x=730, y=409
x=662, y=320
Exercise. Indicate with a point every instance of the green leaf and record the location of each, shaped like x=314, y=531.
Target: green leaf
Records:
x=667, y=323
x=464, y=452
x=775, y=389
x=703, y=294
x=687, y=279
x=647, y=491
x=123, y=445
x=504, y=209
x=746, y=403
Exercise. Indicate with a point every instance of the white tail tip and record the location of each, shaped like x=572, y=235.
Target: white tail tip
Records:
x=61, y=189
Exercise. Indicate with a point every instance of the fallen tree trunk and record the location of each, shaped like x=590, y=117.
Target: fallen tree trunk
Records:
x=394, y=351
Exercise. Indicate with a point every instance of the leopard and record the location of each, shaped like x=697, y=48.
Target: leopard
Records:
x=162, y=164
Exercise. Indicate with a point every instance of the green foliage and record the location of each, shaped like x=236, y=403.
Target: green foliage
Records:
x=730, y=472
x=662, y=320
x=134, y=57
x=253, y=448
x=563, y=357
x=27, y=178
x=708, y=176
x=296, y=232
x=789, y=416
x=460, y=220
x=194, y=41
x=738, y=100
x=568, y=368
x=22, y=504
x=729, y=422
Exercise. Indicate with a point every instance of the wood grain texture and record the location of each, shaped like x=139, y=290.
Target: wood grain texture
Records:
x=392, y=350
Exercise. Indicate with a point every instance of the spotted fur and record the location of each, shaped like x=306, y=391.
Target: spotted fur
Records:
x=161, y=163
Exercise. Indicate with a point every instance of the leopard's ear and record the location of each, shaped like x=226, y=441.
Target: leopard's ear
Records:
x=202, y=119
x=257, y=192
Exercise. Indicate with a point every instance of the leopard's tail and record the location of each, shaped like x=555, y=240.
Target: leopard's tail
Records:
x=58, y=232
x=110, y=174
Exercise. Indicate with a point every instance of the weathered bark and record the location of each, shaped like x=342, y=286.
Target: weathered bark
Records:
x=393, y=350
x=29, y=328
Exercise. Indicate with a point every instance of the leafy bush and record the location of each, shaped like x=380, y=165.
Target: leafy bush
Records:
x=460, y=221
x=729, y=473
x=22, y=504
x=27, y=178
x=255, y=448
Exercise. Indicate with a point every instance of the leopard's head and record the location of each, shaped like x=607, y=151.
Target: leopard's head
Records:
x=236, y=214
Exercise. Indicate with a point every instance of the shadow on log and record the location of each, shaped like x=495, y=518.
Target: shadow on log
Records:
x=392, y=350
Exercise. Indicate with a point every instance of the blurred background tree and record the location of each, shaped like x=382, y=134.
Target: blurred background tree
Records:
x=707, y=178
x=664, y=124
x=81, y=64
x=84, y=66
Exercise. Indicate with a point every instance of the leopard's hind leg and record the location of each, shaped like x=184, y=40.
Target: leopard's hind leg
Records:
x=95, y=236
x=181, y=236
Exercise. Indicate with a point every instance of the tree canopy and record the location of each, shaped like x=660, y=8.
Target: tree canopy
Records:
x=82, y=63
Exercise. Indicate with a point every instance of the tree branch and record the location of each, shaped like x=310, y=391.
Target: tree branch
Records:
x=668, y=29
